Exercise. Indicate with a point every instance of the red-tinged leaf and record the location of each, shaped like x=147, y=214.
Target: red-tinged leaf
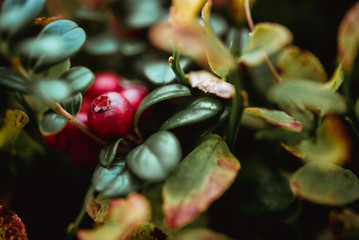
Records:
x=201, y=234
x=124, y=217
x=295, y=63
x=325, y=183
x=11, y=226
x=208, y=82
x=220, y=59
x=202, y=177
x=149, y=231
x=331, y=144
x=266, y=39
x=97, y=209
x=183, y=12
x=348, y=37
x=237, y=10
x=276, y=117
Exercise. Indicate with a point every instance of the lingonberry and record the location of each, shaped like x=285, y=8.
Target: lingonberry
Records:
x=134, y=92
x=110, y=116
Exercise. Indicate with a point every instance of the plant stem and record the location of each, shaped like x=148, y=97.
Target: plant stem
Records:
x=251, y=28
x=73, y=227
x=77, y=123
x=176, y=68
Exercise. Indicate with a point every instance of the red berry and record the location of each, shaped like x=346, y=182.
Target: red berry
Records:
x=104, y=82
x=134, y=92
x=110, y=116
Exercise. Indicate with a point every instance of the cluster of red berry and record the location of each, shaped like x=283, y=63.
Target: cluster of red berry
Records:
x=108, y=109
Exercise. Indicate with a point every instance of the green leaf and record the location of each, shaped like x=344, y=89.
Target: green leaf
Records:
x=57, y=70
x=52, y=91
x=202, y=177
x=275, y=117
x=14, y=122
x=13, y=82
x=102, y=44
x=73, y=104
x=116, y=181
x=56, y=42
x=159, y=72
x=108, y=153
x=79, y=78
x=302, y=94
x=199, y=110
x=294, y=63
x=161, y=94
x=52, y=123
x=11, y=225
x=325, y=183
x=15, y=14
x=266, y=39
x=348, y=37
x=156, y=158
x=123, y=219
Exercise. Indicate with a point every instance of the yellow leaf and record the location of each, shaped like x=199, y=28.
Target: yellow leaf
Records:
x=183, y=12
x=14, y=120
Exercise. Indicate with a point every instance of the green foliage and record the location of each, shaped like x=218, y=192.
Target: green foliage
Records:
x=11, y=81
x=52, y=123
x=73, y=104
x=79, y=78
x=108, y=153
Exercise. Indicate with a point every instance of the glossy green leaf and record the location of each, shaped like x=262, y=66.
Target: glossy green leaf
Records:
x=13, y=123
x=57, y=70
x=302, y=94
x=156, y=158
x=348, y=37
x=15, y=14
x=325, y=183
x=79, y=78
x=275, y=117
x=295, y=63
x=11, y=226
x=97, y=208
x=263, y=190
x=199, y=110
x=161, y=94
x=102, y=44
x=51, y=123
x=52, y=91
x=202, y=177
x=219, y=65
x=73, y=104
x=201, y=234
x=108, y=153
x=159, y=72
x=266, y=39
x=125, y=216
x=56, y=42
x=116, y=181
x=10, y=81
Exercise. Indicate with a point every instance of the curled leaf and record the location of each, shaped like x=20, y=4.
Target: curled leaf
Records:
x=337, y=78
x=200, y=178
x=97, y=208
x=208, y=82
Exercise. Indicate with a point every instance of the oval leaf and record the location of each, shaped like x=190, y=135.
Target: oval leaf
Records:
x=325, y=183
x=52, y=91
x=14, y=122
x=52, y=123
x=108, y=153
x=348, y=37
x=16, y=14
x=276, y=117
x=266, y=39
x=63, y=38
x=13, y=82
x=156, y=158
x=161, y=94
x=202, y=177
x=200, y=110
x=73, y=104
x=79, y=78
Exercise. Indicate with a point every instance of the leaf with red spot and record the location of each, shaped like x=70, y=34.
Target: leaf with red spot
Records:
x=275, y=117
x=201, y=178
x=97, y=208
x=325, y=183
x=295, y=63
x=201, y=234
x=124, y=217
x=348, y=37
x=208, y=82
x=11, y=226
